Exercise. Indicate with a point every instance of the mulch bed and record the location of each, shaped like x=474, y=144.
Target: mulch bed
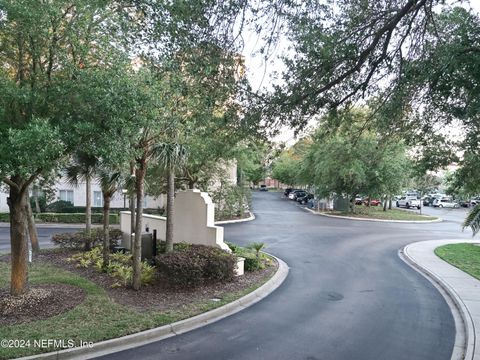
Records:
x=40, y=302
x=159, y=295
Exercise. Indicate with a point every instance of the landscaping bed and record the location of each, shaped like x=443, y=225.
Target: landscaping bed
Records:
x=94, y=308
x=376, y=212
x=465, y=256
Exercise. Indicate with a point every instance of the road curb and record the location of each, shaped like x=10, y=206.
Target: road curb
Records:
x=250, y=218
x=145, y=337
x=464, y=346
x=375, y=220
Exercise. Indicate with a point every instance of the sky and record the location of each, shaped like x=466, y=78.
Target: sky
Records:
x=259, y=71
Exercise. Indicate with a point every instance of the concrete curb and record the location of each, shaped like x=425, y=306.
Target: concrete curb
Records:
x=375, y=220
x=250, y=218
x=166, y=331
x=465, y=339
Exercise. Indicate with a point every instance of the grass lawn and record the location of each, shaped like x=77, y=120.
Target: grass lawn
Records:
x=96, y=318
x=466, y=257
x=376, y=212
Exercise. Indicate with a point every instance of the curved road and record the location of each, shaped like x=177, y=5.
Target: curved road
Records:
x=348, y=296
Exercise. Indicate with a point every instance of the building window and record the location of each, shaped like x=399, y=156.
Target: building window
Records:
x=67, y=195
x=97, y=199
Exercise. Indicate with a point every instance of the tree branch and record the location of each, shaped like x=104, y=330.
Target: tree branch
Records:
x=30, y=180
x=11, y=183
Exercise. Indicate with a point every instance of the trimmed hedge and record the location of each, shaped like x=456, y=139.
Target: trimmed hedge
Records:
x=197, y=264
x=76, y=240
x=78, y=218
x=66, y=207
x=74, y=218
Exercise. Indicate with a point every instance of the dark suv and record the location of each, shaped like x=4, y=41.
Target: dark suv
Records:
x=304, y=199
x=296, y=194
x=287, y=191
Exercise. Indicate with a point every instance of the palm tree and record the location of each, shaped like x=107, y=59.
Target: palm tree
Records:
x=129, y=183
x=110, y=181
x=83, y=168
x=172, y=157
x=257, y=246
x=473, y=220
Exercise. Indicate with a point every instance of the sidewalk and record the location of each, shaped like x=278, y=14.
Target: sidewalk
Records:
x=461, y=291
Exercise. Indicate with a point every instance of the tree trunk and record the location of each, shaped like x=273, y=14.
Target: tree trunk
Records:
x=385, y=198
x=32, y=230
x=37, y=205
x=35, y=198
x=137, y=246
x=170, y=205
x=17, y=203
x=389, y=203
x=132, y=214
x=106, y=234
x=131, y=204
x=88, y=213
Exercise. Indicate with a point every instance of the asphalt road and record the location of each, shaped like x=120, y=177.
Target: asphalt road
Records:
x=348, y=296
x=45, y=233
x=448, y=214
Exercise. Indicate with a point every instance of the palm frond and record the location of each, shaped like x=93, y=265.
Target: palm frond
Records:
x=109, y=180
x=83, y=167
x=171, y=155
x=73, y=175
x=473, y=220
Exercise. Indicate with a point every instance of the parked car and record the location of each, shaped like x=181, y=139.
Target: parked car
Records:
x=296, y=193
x=358, y=200
x=464, y=203
x=408, y=202
x=445, y=202
x=475, y=201
x=373, y=202
x=287, y=191
x=290, y=193
x=263, y=188
x=304, y=199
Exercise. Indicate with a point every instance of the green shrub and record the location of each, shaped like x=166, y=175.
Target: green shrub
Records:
x=196, y=264
x=253, y=264
x=231, y=201
x=119, y=266
x=4, y=217
x=257, y=246
x=253, y=261
x=148, y=273
x=76, y=240
x=162, y=246
x=74, y=218
x=232, y=246
x=60, y=206
x=155, y=211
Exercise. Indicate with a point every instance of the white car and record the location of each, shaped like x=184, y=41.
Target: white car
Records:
x=474, y=201
x=408, y=202
x=445, y=202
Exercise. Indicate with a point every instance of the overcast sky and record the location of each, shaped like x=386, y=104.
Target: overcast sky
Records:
x=259, y=71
